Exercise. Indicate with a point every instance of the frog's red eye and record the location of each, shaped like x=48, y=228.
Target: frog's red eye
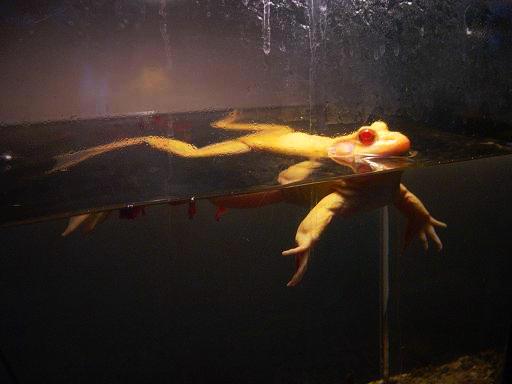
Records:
x=367, y=136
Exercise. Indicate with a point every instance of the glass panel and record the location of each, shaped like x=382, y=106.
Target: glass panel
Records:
x=122, y=107
x=450, y=312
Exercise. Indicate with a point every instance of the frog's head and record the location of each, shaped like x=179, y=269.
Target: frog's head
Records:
x=375, y=140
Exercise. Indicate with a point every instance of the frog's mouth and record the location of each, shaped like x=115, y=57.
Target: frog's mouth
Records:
x=370, y=162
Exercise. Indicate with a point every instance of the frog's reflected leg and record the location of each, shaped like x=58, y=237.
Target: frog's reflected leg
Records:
x=420, y=222
x=310, y=230
x=87, y=221
x=250, y=200
x=298, y=172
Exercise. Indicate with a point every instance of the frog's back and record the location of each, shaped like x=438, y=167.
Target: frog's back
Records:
x=290, y=143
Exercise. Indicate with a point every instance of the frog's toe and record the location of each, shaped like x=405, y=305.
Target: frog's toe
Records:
x=74, y=222
x=425, y=232
x=424, y=240
x=296, y=250
x=438, y=223
x=434, y=237
x=301, y=261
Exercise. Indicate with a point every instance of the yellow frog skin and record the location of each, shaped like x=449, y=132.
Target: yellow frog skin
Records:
x=341, y=197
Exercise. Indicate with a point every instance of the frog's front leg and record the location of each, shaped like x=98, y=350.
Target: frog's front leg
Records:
x=310, y=230
x=420, y=222
x=298, y=172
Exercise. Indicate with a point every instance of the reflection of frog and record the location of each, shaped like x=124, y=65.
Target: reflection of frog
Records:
x=342, y=197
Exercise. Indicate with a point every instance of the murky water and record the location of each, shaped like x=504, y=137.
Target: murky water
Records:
x=140, y=174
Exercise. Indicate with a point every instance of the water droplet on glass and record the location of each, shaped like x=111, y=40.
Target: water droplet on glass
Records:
x=6, y=156
x=266, y=26
x=163, y=32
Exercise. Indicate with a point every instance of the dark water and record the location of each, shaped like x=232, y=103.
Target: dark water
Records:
x=168, y=299
x=140, y=174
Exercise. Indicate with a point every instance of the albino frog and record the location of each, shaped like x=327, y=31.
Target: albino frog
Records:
x=340, y=197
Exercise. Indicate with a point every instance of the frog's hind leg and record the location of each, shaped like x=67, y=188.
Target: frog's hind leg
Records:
x=230, y=122
x=183, y=149
x=310, y=230
x=172, y=146
x=69, y=160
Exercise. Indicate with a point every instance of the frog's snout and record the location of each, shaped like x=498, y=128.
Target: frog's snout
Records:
x=404, y=144
x=392, y=144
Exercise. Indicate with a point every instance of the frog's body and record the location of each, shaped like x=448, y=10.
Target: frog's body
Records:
x=342, y=197
x=360, y=193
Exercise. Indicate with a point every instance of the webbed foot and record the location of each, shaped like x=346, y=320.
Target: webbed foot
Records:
x=301, y=266
x=424, y=230
x=301, y=253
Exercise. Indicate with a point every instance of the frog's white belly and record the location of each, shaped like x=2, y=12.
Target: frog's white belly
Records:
x=369, y=192
x=360, y=193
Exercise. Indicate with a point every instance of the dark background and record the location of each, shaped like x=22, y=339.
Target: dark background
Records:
x=165, y=299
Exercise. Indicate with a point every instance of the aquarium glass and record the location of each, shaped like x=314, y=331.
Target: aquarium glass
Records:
x=158, y=156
